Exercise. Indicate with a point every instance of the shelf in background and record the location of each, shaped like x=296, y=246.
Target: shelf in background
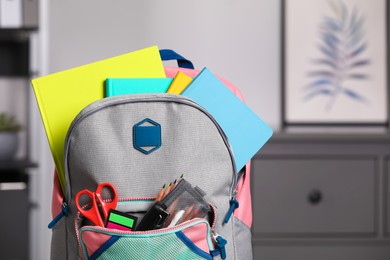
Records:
x=17, y=165
x=15, y=171
x=329, y=135
x=18, y=30
x=26, y=76
x=15, y=54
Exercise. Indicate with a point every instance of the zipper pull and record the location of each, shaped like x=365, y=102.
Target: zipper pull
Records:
x=221, y=243
x=64, y=212
x=233, y=206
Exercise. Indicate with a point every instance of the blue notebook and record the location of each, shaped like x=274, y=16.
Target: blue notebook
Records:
x=122, y=86
x=246, y=132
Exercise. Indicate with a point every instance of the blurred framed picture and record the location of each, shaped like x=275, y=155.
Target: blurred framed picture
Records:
x=334, y=62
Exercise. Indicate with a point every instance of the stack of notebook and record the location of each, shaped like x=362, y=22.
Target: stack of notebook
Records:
x=61, y=96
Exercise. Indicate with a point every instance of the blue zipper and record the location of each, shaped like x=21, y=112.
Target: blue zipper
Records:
x=234, y=204
x=64, y=212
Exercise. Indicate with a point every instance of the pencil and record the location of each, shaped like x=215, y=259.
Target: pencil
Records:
x=177, y=181
x=174, y=184
x=167, y=190
x=160, y=193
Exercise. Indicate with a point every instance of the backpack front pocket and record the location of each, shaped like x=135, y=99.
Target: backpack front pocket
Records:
x=190, y=240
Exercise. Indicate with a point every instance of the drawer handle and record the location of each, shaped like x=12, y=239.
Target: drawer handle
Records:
x=315, y=197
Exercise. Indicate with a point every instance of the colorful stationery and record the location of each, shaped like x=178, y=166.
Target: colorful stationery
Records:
x=179, y=83
x=121, y=86
x=62, y=95
x=246, y=132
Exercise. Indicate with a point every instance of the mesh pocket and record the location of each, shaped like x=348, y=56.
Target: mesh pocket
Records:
x=161, y=247
x=189, y=241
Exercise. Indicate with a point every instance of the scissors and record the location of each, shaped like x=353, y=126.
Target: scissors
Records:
x=98, y=203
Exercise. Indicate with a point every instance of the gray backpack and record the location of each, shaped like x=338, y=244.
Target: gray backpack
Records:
x=102, y=146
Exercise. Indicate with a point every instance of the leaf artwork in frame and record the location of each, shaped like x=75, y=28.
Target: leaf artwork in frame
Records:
x=342, y=46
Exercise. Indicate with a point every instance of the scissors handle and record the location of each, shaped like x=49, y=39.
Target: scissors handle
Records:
x=92, y=212
x=110, y=203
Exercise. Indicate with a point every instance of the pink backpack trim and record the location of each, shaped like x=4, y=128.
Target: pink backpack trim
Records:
x=57, y=197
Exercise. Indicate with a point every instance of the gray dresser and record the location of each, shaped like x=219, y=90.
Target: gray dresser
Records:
x=322, y=197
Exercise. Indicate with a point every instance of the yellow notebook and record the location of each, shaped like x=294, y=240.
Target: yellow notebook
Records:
x=179, y=83
x=62, y=95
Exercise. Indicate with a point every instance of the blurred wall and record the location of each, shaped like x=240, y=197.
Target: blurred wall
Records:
x=238, y=40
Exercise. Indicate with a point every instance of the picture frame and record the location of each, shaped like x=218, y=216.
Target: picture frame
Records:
x=334, y=63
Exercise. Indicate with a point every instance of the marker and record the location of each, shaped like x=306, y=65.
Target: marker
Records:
x=120, y=220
